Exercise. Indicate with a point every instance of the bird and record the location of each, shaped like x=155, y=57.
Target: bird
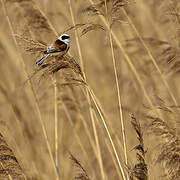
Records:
x=60, y=47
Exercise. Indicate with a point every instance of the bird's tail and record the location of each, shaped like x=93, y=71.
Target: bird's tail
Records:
x=39, y=62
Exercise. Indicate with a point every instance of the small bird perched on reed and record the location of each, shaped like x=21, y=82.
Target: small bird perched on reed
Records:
x=60, y=47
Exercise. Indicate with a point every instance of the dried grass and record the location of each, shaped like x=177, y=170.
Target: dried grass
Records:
x=76, y=105
x=80, y=173
x=168, y=152
x=9, y=166
x=140, y=169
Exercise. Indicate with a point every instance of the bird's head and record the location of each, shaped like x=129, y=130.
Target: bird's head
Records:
x=65, y=38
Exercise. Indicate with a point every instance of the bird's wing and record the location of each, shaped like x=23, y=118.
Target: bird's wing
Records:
x=50, y=50
x=56, y=48
x=60, y=45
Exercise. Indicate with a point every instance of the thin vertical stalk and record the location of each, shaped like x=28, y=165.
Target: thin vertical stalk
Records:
x=43, y=14
x=119, y=101
x=76, y=37
x=88, y=131
x=31, y=86
x=118, y=90
x=56, y=122
x=151, y=57
x=127, y=59
x=98, y=147
x=108, y=133
x=73, y=129
x=87, y=95
x=114, y=161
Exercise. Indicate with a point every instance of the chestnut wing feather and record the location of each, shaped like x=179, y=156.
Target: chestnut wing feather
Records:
x=57, y=46
x=60, y=45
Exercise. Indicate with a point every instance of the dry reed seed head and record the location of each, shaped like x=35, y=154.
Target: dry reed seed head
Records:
x=93, y=9
x=71, y=81
x=160, y=128
x=9, y=166
x=113, y=9
x=140, y=170
x=137, y=127
x=169, y=151
x=166, y=54
x=117, y=5
x=30, y=45
x=76, y=27
x=100, y=9
x=56, y=63
x=36, y=20
x=80, y=173
x=169, y=157
x=92, y=27
x=71, y=63
x=140, y=157
x=85, y=28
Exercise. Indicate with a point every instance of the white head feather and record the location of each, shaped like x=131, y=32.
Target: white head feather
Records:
x=65, y=38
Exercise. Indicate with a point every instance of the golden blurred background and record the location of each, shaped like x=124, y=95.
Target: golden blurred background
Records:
x=128, y=52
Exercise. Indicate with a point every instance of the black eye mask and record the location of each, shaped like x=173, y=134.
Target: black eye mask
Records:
x=64, y=37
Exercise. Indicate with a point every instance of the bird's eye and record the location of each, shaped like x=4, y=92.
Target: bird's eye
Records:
x=64, y=37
